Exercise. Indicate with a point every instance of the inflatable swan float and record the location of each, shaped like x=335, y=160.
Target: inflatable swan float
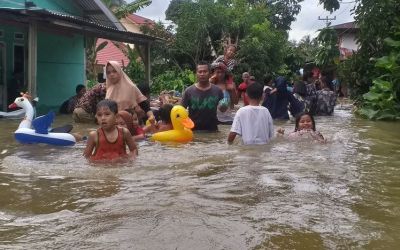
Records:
x=40, y=131
x=181, y=124
x=20, y=113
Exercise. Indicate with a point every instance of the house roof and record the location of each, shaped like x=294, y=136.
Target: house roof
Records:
x=345, y=26
x=97, y=12
x=140, y=20
x=111, y=52
x=86, y=26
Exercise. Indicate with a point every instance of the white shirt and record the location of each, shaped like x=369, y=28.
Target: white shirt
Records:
x=254, y=124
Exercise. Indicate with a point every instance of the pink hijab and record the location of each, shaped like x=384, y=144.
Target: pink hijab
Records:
x=124, y=92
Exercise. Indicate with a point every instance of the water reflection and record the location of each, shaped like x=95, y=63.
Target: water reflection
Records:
x=208, y=195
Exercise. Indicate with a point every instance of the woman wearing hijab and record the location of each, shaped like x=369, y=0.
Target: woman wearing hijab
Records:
x=122, y=90
x=119, y=88
x=278, y=99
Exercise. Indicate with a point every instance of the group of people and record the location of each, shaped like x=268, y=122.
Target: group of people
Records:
x=207, y=98
x=119, y=106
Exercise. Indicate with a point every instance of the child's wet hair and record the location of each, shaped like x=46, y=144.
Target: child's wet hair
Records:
x=298, y=117
x=112, y=105
x=255, y=91
x=165, y=112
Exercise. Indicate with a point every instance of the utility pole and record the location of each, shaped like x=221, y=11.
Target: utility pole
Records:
x=327, y=20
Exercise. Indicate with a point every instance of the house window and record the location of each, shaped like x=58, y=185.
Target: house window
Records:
x=18, y=36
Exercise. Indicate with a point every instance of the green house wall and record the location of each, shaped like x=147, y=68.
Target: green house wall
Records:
x=60, y=67
x=60, y=55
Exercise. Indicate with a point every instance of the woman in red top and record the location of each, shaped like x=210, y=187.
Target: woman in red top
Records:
x=109, y=141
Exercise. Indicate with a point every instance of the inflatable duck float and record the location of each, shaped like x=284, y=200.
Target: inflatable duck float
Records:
x=40, y=131
x=181, y=124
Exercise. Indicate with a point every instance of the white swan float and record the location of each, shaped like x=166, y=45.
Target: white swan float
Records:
x=20, y=113
x=12, y=114
x=40, y=131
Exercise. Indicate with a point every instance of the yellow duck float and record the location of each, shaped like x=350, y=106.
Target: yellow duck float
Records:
x=182, y=125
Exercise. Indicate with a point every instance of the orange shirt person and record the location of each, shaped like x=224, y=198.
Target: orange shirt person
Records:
x=108, y=143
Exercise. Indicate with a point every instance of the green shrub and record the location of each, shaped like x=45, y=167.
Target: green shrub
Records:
x=90, y=83
x=172, y=80
x=382, y=102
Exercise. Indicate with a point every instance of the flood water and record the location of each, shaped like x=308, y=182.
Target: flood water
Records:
x=208, y=195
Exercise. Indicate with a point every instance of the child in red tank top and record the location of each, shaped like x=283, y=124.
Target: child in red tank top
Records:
x=109, y=141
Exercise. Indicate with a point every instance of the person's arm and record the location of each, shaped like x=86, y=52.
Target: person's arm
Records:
x=233, y=94
x=133, y=150
x=90, y=145
x=271, y=127
x=220, y=107
x=145, y=106
x=139, y=134
x=236, y=128
x=231, y=137
x=152, y=128
x=185, y=99
x=280, y=131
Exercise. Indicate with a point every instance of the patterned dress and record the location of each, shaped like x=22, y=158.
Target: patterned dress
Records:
x=326, y=101
x=311, y=98
x=90, y=99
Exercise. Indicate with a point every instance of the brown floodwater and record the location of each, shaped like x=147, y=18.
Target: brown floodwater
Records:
x=207, y=194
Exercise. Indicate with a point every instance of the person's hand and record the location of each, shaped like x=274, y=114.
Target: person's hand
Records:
x=223, y=107
x=139, y=112
x=230, y=87
x=213, y=79
x=152, y=120
x=281, y=131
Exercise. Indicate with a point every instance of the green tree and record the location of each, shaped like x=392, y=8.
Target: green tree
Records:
x=298, y=54
x=204, y=27
x=328, y=52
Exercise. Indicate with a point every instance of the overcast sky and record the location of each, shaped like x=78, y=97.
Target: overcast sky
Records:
x=307, y=22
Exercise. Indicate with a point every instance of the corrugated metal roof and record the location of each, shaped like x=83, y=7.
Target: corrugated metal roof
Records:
x=79, y=24
x=345, y=26
x=97, y=12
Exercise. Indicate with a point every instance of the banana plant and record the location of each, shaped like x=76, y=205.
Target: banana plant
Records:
x=120, y=8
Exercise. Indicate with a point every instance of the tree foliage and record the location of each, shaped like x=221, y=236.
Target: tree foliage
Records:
x=297, y=54
x=203, y=28
x=382, y=101
x=120, y=8
x=129, y=8
x=376, y=21
x=328, y=52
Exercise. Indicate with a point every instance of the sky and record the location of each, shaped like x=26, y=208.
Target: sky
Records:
x=307, y=22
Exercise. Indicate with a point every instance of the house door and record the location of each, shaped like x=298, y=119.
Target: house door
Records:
x=3, y=89
x=17, y=83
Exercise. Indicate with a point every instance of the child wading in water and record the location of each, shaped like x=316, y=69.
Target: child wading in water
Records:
x=304, y=128
x=253, y=122
x=165, y=123
x=130, y=121
x=109, y=141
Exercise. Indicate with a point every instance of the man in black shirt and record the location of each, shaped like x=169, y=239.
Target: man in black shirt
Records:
x=203, y=99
